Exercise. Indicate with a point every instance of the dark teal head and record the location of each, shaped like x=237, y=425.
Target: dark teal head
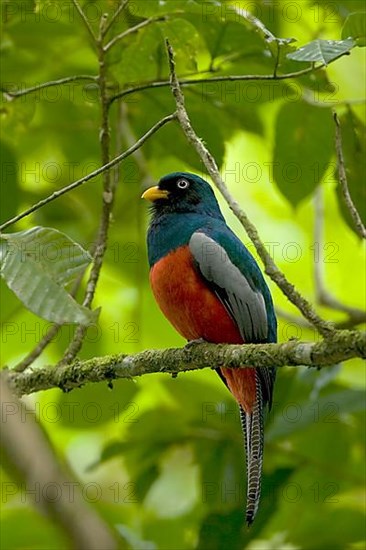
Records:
x=182, y=192
x=181, y=204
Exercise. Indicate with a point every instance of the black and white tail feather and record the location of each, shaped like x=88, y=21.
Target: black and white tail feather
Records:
x=246, y=298
x=252, y=424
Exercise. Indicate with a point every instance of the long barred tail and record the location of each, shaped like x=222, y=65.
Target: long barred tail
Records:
x=252, y=424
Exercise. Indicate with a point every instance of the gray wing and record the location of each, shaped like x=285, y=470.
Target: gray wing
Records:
x=244, y=303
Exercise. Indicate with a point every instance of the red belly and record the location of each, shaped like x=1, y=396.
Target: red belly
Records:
x=196, y=312
x=192, y=308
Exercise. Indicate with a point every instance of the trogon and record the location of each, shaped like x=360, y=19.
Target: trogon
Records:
x=209, y=287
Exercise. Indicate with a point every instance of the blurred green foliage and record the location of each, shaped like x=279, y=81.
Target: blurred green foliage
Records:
x=167, y=455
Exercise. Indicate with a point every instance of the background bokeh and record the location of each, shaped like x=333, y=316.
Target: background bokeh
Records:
x=162, y=459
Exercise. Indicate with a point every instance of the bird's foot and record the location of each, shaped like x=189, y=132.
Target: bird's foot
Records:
x=192, y=343
x=172, y=374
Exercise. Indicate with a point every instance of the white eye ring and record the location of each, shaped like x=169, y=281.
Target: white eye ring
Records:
x=182, y=184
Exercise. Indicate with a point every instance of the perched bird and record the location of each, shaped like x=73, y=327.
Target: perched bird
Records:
x=209, y=287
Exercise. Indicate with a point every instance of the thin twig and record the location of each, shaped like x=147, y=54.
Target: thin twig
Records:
x=340, y=346
x=223, y=78
x=323, y=297
x=359, y=226
x=145, y=178
x=349, y=323
x=134, y=29
x=107, y=202
x=39, y=348
x=266, y=33
x=352, y=321
x=319, y=244
x=158, y=84
x=257, y=23
x=13, y=95
x=112, y=20
x=92, y=175
x=270, y=267
x=85, y=21
x=293, y=319
x=108, y=192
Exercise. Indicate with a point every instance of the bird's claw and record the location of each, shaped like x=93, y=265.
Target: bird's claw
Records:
x=192, y=343
x=173, y=374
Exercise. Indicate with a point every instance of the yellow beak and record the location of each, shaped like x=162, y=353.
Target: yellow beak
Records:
x=154, y=193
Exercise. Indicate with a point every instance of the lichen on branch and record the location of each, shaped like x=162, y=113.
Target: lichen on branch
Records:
x=341, y=346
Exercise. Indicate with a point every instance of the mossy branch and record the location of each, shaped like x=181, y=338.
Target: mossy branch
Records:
x=341, y=346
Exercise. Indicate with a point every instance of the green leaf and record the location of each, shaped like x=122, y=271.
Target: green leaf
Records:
x=139, y=59
x=40, y=294
x=217, y=529
x=54, y=251
x=354, y=153
x=325, y=411
x=16, y=116
x=227, y=39
x=317, y=81
x=170, y=140
x=96, y=404
x=151, y=8
x=221, y=462
x=280, y=48
x=324, y=51
x=147, y=439
x=36, y=264
x=333, y=10
x=162, y=531
x=298, y=162
x=184, y=39
x=144, y=57
x=355, y=27
x=273, y=484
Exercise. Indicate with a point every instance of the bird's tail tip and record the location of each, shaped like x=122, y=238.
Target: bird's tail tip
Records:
x=251, y=512
x=253, y=433
x=249, y=518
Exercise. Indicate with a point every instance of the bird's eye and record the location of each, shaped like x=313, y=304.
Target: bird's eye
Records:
x=182, y=184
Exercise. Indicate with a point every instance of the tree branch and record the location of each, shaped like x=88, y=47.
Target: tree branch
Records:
x=134, y=29
x=223, y=78
x=9, y=95
x=348, y=323
x=293, y=318
x=85, y=21
x=92, y=175
x=271, y=269
x=114, y=17
x=38, y=349
x=323, y=297
x=100, y=245
x=27, y=450
x=126, y=132
x=360, y=228
x=158, y=84
x=340, y=346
